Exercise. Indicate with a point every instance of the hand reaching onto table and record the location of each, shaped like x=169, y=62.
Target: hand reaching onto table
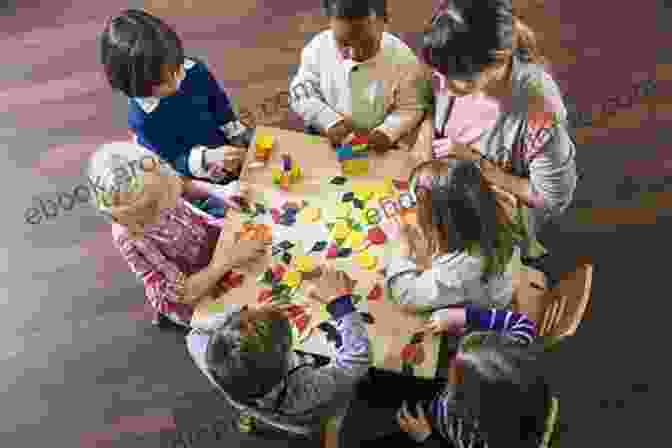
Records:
x=338, y=133
x=379, y=141
x=224, y=160
x=448, y=320
x=331, y=285
x=236, y=253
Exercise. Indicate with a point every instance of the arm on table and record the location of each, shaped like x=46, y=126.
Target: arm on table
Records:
x=163, y=280
x=418, y=290
x=306, y=98
x=351, y=363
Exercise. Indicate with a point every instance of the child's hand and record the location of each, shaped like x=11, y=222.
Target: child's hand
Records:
x=448, y=320
x=339, y=132
x=379, y=141
x=224, y=160
x=331, y=285
x=233, y=194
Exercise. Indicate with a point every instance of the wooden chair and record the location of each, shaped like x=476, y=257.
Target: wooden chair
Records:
x=558, y=312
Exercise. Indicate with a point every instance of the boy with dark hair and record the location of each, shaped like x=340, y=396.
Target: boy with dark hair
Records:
x=176, y=107
x=356, y=78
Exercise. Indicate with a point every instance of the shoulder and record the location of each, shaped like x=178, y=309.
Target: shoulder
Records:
x=322, y=41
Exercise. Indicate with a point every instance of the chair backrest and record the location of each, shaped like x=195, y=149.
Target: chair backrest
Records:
x=558, y=312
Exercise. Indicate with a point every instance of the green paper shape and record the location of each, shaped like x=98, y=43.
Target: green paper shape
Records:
x=216, y=307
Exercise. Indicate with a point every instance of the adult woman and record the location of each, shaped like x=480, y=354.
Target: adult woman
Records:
x=170, y=246
x=495, y=103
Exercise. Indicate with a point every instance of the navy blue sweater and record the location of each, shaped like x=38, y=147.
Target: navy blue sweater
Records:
x=189, y=118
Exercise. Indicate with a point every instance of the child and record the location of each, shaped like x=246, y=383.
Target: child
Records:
x=497, y=395
x=356, y=77
x=246, y=353
x=176, y=108
x=465, y=238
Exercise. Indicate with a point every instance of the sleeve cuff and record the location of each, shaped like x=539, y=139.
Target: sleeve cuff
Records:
x=232, y=129
x=197, y=162
x=328, y=118
x=477, y=318
x=341, y=307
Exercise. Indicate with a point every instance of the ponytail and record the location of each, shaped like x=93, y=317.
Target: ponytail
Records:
x=526, y=42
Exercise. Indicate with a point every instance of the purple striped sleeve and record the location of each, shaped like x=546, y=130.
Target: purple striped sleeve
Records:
x=516, y=324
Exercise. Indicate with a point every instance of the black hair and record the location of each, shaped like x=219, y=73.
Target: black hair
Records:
x=464, y=37
x=136, y=48
x=354, y=9
x=503, y=388
x=461, y=211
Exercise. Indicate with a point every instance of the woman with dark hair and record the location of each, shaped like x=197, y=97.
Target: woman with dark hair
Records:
x=496, y=395
x=176, y=107
x=464, y=251
x=247, y=355
x=495, y=103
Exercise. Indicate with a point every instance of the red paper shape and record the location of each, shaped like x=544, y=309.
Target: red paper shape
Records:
x=278, y=272
x=302, y=322
x=294, y=311
x=359, y=140
x=408, y=353
x=236, y=279
x=332, y=252
x=264, y=295
x=413, y=354
x=376, y=235
x=376, y=293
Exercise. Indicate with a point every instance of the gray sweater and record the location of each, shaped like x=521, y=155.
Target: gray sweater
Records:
x=317, y=394
x=548, y=162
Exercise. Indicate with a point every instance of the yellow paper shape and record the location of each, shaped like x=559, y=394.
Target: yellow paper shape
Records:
x=292, y=278
x=304, y=263
x=309, y=215
x=265, y=142
x=367, y=261
x=340, y=231
x=355, y=239
x=276, y=173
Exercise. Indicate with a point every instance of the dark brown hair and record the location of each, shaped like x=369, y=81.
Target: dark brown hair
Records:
x=473, y=40
x=458, y=210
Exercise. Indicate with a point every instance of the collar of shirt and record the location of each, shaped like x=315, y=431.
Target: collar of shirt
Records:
x=150, y=103
x=351, y=65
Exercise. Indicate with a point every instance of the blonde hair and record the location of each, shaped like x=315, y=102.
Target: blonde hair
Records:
x=116, y=168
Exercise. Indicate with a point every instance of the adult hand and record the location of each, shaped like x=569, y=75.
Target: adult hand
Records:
x=448, y=320
x=410, y=240
x=331, y=285
x=338, y=133
x=447, y=148
x=419, y=428
x=379, y=141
